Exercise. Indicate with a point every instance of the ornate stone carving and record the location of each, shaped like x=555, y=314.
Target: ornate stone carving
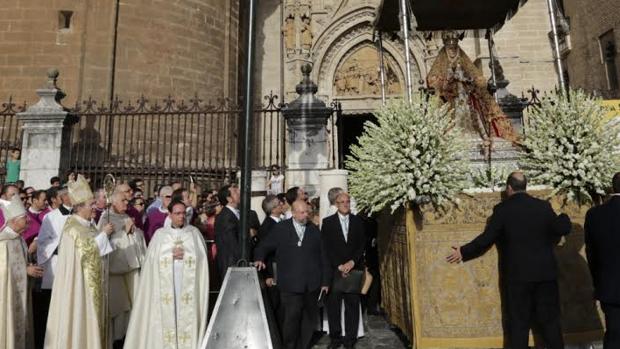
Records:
x=289, y=32
x=358, y=74
x=306, y=33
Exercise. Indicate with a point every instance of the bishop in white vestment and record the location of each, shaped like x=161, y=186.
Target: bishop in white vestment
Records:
x=124, y=264
x=77, y=317
x=15, y=316
x=173, y=297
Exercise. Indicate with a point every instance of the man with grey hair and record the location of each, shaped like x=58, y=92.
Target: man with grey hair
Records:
x=156, y=218
x=332, y=194
x=125, y=263
x=100, y=204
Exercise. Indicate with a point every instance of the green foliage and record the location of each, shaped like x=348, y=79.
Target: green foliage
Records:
x=413, y=153
x=489, y=176
x=570, y=147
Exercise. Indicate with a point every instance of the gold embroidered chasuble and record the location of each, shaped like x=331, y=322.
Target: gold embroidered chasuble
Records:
x=171, y=306
x=77, y=314
x=15, y=325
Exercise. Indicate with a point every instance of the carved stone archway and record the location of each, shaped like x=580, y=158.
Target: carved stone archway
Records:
x=344, y=38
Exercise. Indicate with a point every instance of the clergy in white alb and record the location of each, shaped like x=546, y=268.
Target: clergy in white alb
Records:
x=15, y=316
x=77, y=315
x=124, y=264
x=173, y=297
x=48, y=240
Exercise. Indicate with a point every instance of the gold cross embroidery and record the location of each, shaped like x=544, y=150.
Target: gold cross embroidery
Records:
x=178, y=242
x=164, y=263
x=190, y=262
x=169, y=337
x=184, y=337
x=167, y=299
x=186, y=298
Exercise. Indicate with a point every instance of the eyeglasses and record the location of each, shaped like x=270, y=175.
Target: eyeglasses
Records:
x=167, y=196
x=139, y=204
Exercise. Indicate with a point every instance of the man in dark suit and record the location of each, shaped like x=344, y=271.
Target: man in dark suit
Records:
x=344, y=240
x=302, y=272
x=273, y=210
x=227, y=230
x=525, y=231
x=602, y=238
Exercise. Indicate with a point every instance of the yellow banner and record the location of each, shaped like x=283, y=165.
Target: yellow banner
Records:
x=613, y=108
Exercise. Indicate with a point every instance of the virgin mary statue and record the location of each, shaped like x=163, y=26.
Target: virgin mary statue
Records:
x=459, y=82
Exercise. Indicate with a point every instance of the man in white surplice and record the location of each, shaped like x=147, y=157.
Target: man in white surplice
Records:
x=124, y=263
x=171, y=306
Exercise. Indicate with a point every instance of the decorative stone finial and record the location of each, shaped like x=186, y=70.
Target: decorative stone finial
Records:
x=306, y=69
x=52, y=77
x=306, y=86
x=306, y=111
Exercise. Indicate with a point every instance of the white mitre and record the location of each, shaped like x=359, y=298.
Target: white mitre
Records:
x=79, y=191
x=15, y=208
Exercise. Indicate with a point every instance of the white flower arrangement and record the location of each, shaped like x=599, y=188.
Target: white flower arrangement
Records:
x=569, y=146
x=414, y=153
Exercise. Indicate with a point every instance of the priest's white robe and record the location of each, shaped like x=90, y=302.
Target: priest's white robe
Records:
x=173, y=297
x=47, y=243
x=124, y=265
x=77, y=317
x=15, y=317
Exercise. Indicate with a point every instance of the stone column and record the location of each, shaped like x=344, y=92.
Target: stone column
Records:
x=259, y=191
x=307, y=151
x=46, y=128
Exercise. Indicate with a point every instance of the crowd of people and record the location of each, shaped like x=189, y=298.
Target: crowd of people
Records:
x=86, y=268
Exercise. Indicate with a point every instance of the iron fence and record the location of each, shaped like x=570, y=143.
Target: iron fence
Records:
x=10, y=132
x=170, y=141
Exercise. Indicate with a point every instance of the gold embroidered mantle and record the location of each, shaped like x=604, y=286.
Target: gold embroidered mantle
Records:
x=78, y=322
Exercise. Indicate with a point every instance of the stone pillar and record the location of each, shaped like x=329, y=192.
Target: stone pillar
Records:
x=259, y=191
x=46, y=128
x=307, y=151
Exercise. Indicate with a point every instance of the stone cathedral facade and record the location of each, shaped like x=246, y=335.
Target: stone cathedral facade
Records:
x=337, y=37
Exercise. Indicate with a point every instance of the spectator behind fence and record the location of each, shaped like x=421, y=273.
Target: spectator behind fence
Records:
x=13, y=164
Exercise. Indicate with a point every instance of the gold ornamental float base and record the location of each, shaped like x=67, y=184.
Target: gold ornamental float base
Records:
x=439, y=305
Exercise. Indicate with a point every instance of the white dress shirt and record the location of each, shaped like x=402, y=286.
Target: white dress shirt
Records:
x=344, y=224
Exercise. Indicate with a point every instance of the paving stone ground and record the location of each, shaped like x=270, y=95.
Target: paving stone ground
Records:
x=378, y=335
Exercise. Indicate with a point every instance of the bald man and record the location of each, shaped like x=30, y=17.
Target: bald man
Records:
x=525, y=231
x=302, y=273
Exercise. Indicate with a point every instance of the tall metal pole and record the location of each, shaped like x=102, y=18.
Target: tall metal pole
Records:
x=246, y=160
x=381, y=66
x=556, y=44
x=405, y=28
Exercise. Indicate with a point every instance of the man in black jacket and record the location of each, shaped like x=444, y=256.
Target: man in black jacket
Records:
x=525, y=231
x=302, y=273
x=273, y=211
x=602, y=237
x=344, y=240
x=227, y=230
